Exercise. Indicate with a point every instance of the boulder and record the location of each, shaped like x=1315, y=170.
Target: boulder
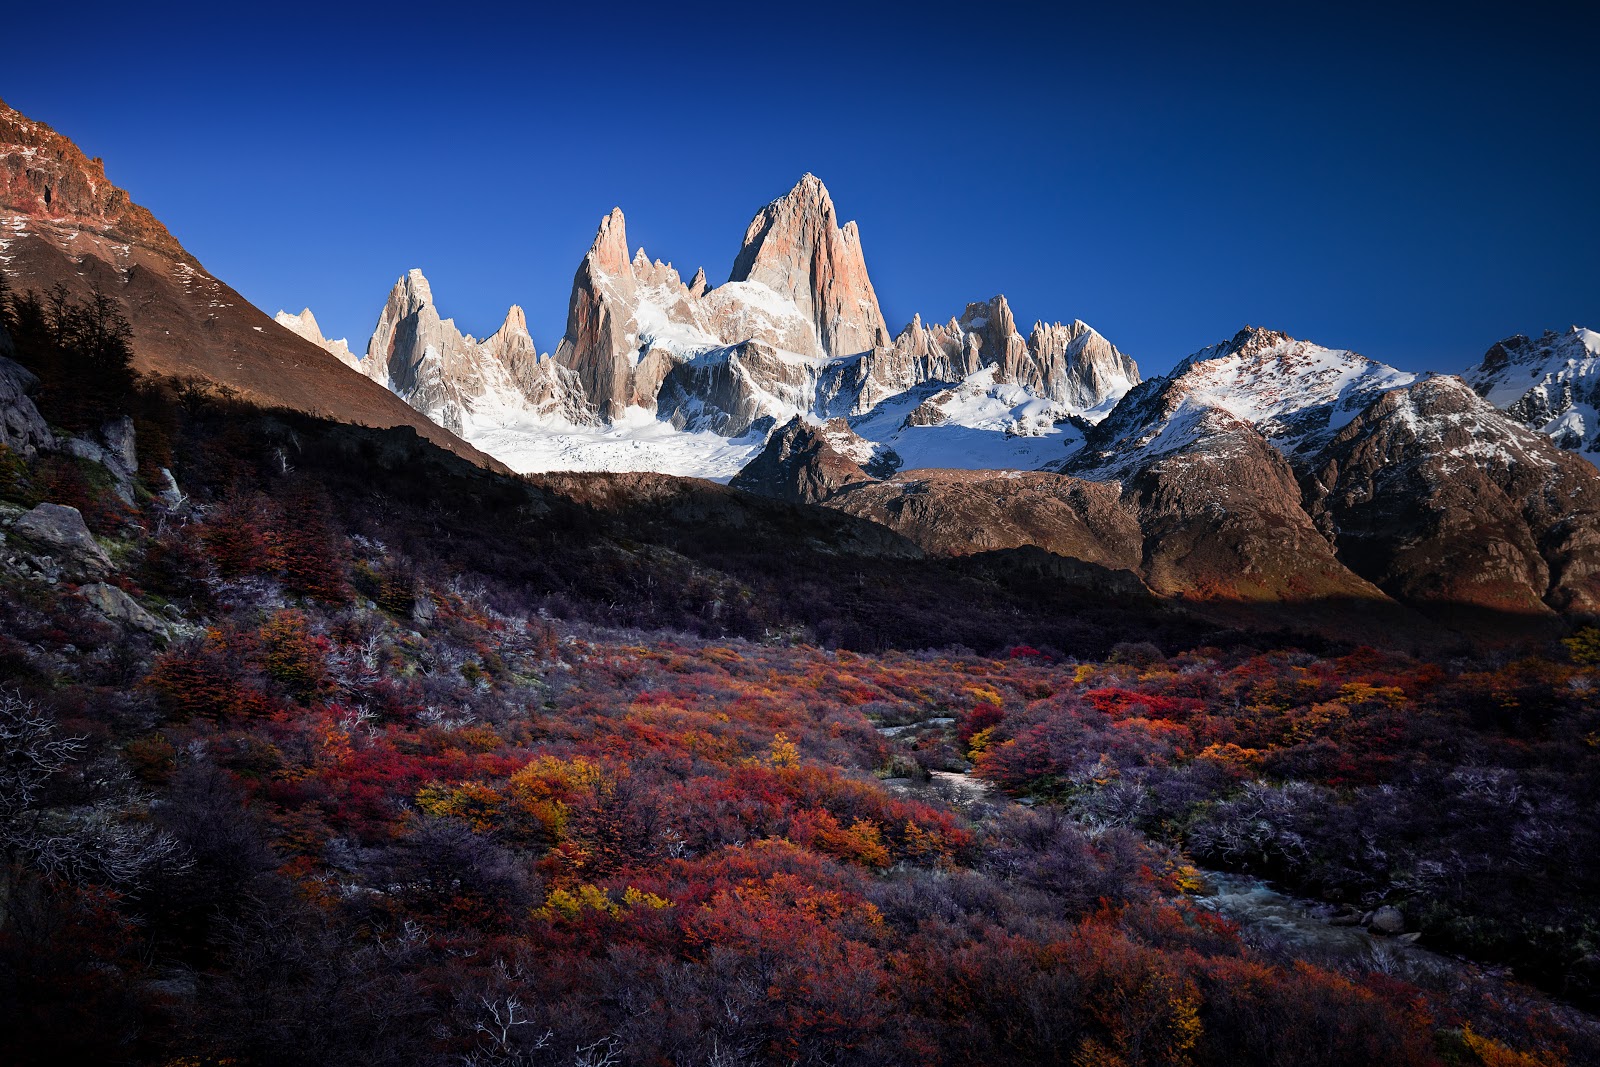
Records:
x=1388, y=920
x=61, y=531
x=121, y=608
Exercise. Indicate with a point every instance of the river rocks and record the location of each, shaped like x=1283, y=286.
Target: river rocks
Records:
x=121, y=608
x=60, y=530
x=22, y=428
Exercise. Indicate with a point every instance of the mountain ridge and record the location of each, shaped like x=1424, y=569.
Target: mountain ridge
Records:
x=62, y=222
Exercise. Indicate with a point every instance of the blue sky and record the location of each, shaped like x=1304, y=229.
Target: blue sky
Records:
x=1409, y=186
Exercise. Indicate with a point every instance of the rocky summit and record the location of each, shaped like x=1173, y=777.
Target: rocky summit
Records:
x=697, y=375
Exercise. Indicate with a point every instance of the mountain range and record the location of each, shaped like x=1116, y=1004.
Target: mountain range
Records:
x=1262, y=473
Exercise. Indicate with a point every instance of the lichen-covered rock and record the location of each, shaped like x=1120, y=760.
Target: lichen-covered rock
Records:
x=60, y=531
x=121, y=608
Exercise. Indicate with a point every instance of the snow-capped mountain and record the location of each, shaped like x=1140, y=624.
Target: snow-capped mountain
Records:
x=653, y=373
x=1294, y=393
x=1263, y=471
x=1552, y=385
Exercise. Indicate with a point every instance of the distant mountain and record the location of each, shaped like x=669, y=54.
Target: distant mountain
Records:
x=653, y=373
x=305, y=324
x=1262, y=471
x=63, y=222
x=1551, y=385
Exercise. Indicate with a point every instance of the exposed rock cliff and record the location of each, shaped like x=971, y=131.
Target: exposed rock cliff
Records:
x=796, y=247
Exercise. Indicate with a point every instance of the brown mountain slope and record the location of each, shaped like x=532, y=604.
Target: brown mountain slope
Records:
x=1443, y=502
x=1216, y=526
x=63, y=222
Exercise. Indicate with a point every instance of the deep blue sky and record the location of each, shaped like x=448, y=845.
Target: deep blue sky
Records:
x=1411, y=186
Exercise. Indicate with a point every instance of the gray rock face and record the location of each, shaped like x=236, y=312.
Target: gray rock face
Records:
x=1069, y=363
x=121, y=608
x=22, y=428
x=633, y=323
x=598, y=347
x=425, y=358
x=61, y=531
x=116, y=451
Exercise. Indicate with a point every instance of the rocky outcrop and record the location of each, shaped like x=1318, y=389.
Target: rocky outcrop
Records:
x=631, y=322
x=59, y=531
x=598, y=347
x=305, y=325
x=44, y=175
x=1069, y=364
x=1551, y=385
x=116, y=451
x=422, y=356
x=1072, y=363
x=121, y=609
x=1442, y=501
x=796, y=247
x=22, y=429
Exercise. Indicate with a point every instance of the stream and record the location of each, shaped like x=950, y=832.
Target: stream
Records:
x=1282, y=925
x=1268, y=918
x=1301, y=927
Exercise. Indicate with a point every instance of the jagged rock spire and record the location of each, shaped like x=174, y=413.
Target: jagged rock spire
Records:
x=796, y=247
